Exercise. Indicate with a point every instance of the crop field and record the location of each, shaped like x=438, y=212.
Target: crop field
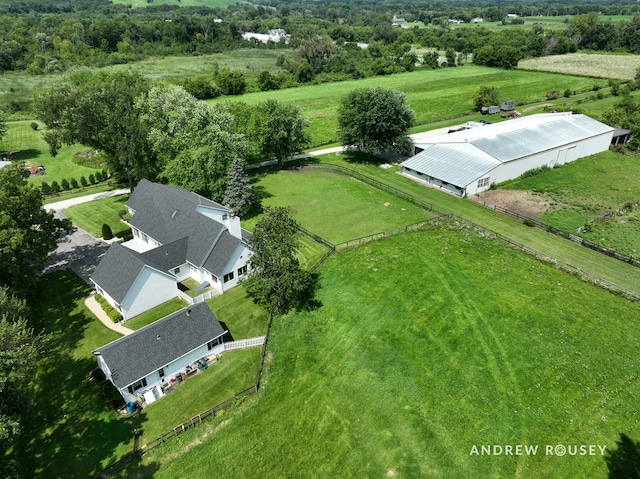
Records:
x=432, y=94
x=622, y=67
x=334, y=206
x=72, y=429
x=417, y=354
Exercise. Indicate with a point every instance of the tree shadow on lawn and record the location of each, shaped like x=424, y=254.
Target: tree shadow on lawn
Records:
x=28, y=154
x=362, y=158
x=624, y=462
x=257, y=209
x=71, y=426
x=308, y=301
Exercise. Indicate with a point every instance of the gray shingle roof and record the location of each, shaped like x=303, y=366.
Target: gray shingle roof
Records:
x=167, y=256
x=135, y=356
x=118, y=270
x=221, y=254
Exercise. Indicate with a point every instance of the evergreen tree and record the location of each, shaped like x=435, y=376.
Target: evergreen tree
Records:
x=107, y=234
x=83, y=181
x=46, y=189
x=55, y=187
x=74, y=183
x=239, y=195
x=65, y=184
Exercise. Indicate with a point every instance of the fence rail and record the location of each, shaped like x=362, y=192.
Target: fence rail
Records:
x=244, y=343
x=632, y=260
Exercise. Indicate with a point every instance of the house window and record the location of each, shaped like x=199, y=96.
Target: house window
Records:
x=161, y=372
x=242, y=271
x=176, y=271
x=136, y=233
x=145, y=238
x=224, y=217
x=228, y=277
x=483, y=182
x=135, y=386
x=215, y=342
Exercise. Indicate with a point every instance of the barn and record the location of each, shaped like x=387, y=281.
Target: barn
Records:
x=469, y=161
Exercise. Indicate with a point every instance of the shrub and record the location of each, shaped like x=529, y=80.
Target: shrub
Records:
x=567, y=93
x=105, y=175
x=112, y=312
x=74, y=183
x=534, y=172
x=107, y=234
x=46, y=189
x=34, y=126
x=83, y=181
x=92, y=179
x=55, y=187
x=121, y=213
x=529, y=222
x=98, y=176
x=65, y=184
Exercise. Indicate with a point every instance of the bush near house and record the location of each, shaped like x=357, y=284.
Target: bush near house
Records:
x=112, y=312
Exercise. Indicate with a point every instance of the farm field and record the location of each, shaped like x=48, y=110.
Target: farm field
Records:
x=21, y=87
x=72, y=430
x=432, y=94
x=559, y=248
x=577, y=193
x=418, y=354
x=622, y=67
x=334, y=206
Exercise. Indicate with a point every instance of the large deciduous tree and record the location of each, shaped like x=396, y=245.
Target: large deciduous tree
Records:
x=486, y=96
x=27, y=232
x=195, y=143
x=239, y=195
x=375, y=120
x=19, y=350
x=274, y=130
x=276, y=280
x=97, y=110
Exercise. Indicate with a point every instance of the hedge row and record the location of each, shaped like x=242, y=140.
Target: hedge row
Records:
x=65, y=185
x=112, y=312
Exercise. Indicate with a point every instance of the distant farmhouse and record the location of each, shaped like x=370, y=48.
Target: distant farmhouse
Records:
x=177, y=235
x=274, y=35
x=398, y=22
x=469, y=161
x=147, y=363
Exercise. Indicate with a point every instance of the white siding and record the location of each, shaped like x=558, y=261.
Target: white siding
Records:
x=150, y=289
x=239, y=258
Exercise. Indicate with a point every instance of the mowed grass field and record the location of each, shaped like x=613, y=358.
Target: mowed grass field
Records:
x=92, y=215
x=580, y=191
x=34, y=151
x=334, y=206
x=432, y=94
x=427, y=344
x=622, y=67
x=72, y=430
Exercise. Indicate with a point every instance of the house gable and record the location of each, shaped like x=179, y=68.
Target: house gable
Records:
x=135, y=356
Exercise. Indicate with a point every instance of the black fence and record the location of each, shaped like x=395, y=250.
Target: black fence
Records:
x=632, y=260
x=371, y=181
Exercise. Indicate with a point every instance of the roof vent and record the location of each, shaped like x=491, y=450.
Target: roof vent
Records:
x=174, y=213
x=188, y=311
x=158, y=338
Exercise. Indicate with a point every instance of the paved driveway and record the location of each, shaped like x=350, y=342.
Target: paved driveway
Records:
x=79, y=250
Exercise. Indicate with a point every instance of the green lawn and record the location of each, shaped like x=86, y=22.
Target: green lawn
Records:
x=432, y=94
x=92, y=215
x=334, y=206
x=582, y=190
x=84, y=431
x=34, y=151
x=179, y=3
x=564, y=250
x=160, y=311
x=238, y=314
x=596, y=65
x=427, y=344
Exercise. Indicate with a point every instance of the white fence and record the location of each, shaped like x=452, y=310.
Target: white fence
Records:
x=244, y=343
x=198, y=299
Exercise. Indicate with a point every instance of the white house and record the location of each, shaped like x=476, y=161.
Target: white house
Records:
x=177, y=235
x=146, y=363
x=274, y=35
x=467, y=162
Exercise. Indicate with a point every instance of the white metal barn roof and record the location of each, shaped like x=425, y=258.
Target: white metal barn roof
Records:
x=465, y=156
